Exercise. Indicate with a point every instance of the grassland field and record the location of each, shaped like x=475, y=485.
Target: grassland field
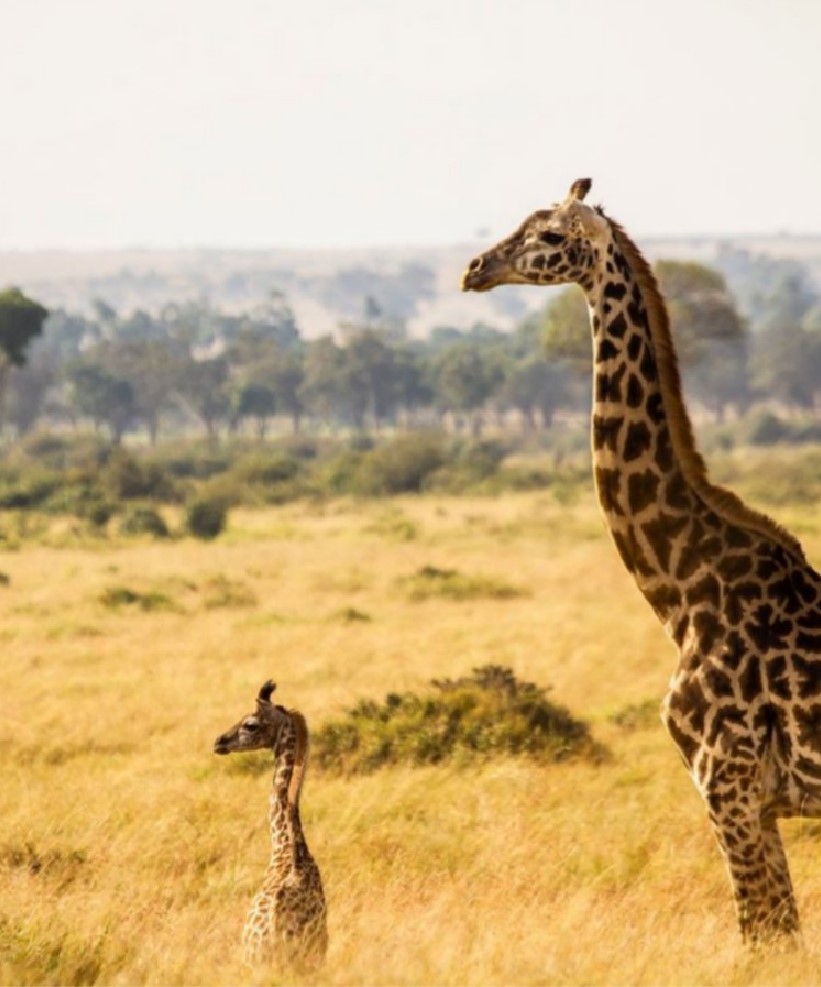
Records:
x=129, y=853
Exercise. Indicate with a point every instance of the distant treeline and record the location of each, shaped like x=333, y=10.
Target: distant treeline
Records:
x=193, y=368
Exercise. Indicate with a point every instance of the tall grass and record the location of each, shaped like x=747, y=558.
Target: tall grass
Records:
x=129, y=854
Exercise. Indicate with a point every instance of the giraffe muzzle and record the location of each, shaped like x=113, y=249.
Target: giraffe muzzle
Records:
x=473, y=279
x=221, y=746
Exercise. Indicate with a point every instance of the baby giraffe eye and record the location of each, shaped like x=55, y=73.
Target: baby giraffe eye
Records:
x=252, y=726
x=554, y=239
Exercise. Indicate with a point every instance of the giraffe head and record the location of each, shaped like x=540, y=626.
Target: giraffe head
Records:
x=552, y=246
x=256, y=730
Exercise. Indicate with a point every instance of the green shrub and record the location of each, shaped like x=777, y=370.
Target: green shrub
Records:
x=82, y=499
x=339, y=474
x=28, y=489
x=206, y=517
x=350, y=615
x=127, y=478
x=400, y=465
x=430, y=582
x=468, y=466
x=765, y=429
x=265, y=469
x=121, y=596
x=487, y=714
x=192, y=461
x=143, y=521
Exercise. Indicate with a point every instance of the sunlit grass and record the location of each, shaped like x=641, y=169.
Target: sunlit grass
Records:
x=129, y=853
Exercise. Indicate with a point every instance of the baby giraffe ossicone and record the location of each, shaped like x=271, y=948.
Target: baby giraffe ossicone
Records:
x=287, y=923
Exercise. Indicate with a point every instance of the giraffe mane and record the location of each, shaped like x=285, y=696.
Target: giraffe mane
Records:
x=724, y=502
x=300, y=757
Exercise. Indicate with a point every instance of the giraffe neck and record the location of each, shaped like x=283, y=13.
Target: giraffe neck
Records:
x=663, y=513
x=291, y=753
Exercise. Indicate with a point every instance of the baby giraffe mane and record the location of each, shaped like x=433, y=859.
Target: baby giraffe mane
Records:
x=301, y=756
x=724, y=502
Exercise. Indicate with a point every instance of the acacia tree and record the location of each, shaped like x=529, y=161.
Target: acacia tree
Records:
x=21, y=321
x=150, y=366
x=465, y=376
x=102, y=397
x=329, y=389
x=536, y=388
x=201, y=387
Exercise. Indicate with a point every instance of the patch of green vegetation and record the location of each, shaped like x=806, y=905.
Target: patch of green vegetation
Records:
x=430, y=582
x=125, y=477
x=220, y=592
x=206, y=517
x=350, y=615
x=121, y=596
x=489, y=713
x=393, y=524
x=143, y=521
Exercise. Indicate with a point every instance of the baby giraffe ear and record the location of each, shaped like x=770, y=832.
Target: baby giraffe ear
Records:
x=266, y=690
x=580, y=188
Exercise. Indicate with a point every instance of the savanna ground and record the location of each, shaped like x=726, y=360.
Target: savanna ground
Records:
x=129, y=853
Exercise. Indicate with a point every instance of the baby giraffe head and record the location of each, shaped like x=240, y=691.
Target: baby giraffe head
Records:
x=256, y=730
x=552, y=246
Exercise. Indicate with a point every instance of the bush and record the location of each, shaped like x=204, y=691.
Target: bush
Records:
x=429, y=582
x=206, y=517
x=82, y=499
x=765, y=429
x=266, y=469
x=29, y=490
x=121, y=596
x=401, y=465
x=195, y=462
x=487, y=714
x=143, y=521
x=126, y=478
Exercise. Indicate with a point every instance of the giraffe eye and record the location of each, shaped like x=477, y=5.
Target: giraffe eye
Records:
x=554, y=239
x=252, y=726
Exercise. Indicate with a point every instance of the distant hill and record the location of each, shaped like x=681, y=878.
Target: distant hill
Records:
x=416, y=285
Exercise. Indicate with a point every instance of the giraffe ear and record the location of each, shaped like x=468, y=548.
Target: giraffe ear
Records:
x=580, y=188
x=266, y=690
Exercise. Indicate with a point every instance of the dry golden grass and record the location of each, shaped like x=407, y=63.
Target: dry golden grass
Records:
x=129, y=853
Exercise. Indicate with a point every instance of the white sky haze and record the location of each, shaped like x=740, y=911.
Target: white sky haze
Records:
x=327, y=123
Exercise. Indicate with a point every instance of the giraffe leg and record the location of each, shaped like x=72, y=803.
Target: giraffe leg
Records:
x=783, y=918
x=754, y=855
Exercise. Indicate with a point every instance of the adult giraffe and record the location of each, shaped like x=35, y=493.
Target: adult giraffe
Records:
x=732, y=588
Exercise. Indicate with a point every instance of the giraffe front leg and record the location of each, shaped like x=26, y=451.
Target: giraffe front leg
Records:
x=756, y=862
x=783, y=918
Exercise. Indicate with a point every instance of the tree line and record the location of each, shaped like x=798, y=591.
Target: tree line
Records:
x=194, y=366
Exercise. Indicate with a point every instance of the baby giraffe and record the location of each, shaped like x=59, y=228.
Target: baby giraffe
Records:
x=287, y=921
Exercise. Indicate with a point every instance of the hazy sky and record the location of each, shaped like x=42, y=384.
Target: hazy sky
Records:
x=353, y=122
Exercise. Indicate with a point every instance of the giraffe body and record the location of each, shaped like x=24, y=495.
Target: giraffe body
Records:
x=287, y=923
x=732, y=588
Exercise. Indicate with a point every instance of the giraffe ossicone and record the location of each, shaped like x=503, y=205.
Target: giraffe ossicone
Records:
x=287, y=923
x=732, y=588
